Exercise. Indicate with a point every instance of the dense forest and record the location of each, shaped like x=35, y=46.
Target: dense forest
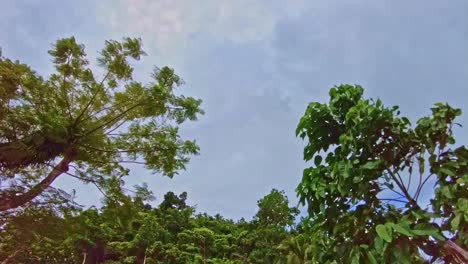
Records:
x=368, y=168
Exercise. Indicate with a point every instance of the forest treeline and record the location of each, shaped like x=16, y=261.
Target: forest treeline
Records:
x=376, y=188
x=126, y=229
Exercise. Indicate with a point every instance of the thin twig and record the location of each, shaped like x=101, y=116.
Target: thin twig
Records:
x=403, y=189
x=410, y=175
x=112, y=120
x=418, y=192
x=91, y=101
x=400, y=194
x=396, y=200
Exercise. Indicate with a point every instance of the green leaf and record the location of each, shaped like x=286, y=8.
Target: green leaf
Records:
x=406, y=120
x=421, y=165
x=446, y=190
x=378, y=103
x=401, y=229
x=317, y=160
x=462, y=205
x=424, y=229
x=357, y=179
x=384, y=232
x=455, y=223
x=402, y=257
x=379, y=244
x=356, y=256
x=447, y=171
x=370, y=258
x=372, y=165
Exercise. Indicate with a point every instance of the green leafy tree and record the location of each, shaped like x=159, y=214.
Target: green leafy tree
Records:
x=225, y=238
x=269, y=226
x=174, y=213
x=274, y=210
x=87, y=235
x=74, y=123
x=173, y=201
x=148, y=236
x=369, y=173
x=200, y=240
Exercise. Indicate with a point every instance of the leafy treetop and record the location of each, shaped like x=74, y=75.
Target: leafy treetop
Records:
x=370, y=168
x=95, y=126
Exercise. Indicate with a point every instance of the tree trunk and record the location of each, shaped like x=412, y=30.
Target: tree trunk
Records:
x=85, y=255
x=144, y=259
x=11, y=257
x=11, y=202
x=459, y=254
x=204, y=251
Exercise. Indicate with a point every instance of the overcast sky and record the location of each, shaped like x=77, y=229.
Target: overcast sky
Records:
x=256, y=65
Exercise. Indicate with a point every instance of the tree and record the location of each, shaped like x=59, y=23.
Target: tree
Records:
x=73, y=124
x=270, y=226
x=273, y=209
x=172, y=201
x=370, y=167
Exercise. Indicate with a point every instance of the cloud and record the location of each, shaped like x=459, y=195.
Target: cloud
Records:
x=257, y=64
x=172, y=23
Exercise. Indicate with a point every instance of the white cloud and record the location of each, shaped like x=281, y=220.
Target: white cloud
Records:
x=168, y=23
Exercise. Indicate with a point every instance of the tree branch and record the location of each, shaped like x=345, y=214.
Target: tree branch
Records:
x=12, y=256
x=400, y=194
x=91, y=101
x=394, y=200
x=64, y=90
x=404, y=190
x=8, y=202
x=454, y=250
x=114, y=150
x=410, y=175
x=418, y=191
x=113, y=120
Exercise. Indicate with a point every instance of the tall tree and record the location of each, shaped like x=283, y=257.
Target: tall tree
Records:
x=74, y=123
x=270, y=226
x=370, y=168
x=274, y=210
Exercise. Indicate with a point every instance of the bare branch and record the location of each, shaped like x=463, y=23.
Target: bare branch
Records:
x=9, y=202
x=91, y=101
x=113, y=120
x=403, y=189
x=420, y=187
x=394, y=200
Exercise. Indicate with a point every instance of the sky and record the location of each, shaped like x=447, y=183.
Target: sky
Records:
x=256, y=65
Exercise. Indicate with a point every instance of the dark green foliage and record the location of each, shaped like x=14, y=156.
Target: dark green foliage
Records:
x=127, y=230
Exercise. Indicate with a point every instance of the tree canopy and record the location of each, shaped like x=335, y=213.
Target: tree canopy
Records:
x=370, y=167
x=77, y=124
x=132, y=231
